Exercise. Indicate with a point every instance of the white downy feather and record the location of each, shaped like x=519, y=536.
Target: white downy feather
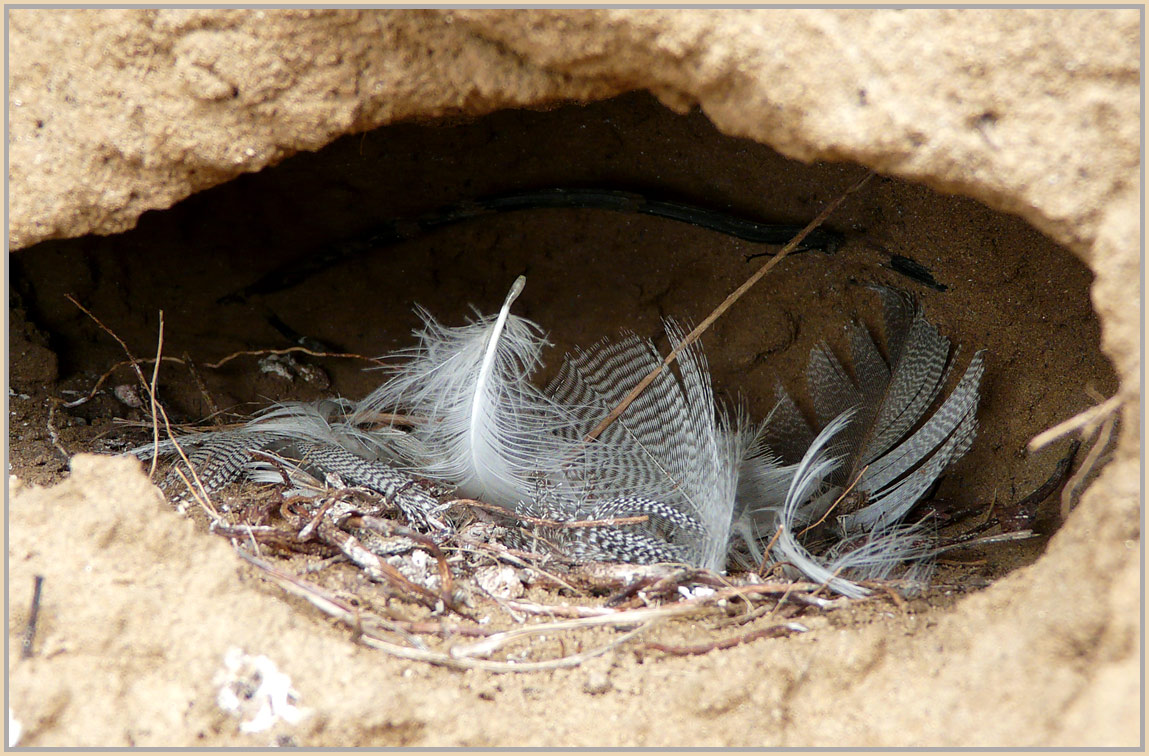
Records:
x=810, y=480
x=763, y=482
x=869, y=557
x=482, y=425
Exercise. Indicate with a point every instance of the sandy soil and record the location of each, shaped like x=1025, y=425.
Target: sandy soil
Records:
x=142, y=605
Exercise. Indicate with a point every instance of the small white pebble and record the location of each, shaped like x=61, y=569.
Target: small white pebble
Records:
x=596, y=683
x=253, y=690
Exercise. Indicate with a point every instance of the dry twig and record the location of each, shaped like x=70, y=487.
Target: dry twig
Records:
x=774, y=631
x=289, y=350
x=367, y=635
x=722, y=308
x=152, y=396
x=29, y=639
x=1101, y=441
x=202, y=496
x=53, y=434
x=1088, y=420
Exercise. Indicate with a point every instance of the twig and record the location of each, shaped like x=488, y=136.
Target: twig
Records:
x=530, y=607
x=289, y=350
x=969, y=541
x=213, y=410
x=486, y=665
x=379, y=570
x=774, y=631
x=133, y=361
x=152, y=396
x=1021, y=516
x=766, y=551
x=742, y=619
x=322, y=599
x=628, y=617
x=334, y=608
x=53, y=434
x=187, y=361
x=29, y=638
x=376, y=569
x=837, y=501
x=201, y=496
x=518, y=558
x=392, y=419
x=1102, y=439
x=722, y=308
x=108, y=374
x=389, y=528
x=205, y=501
x=269, y=534
x=1089, y=417
x=643, y=617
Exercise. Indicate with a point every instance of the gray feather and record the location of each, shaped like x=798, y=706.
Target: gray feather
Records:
x=483, y=426
x=672, y=454
x=314, y=438
x=873, y=447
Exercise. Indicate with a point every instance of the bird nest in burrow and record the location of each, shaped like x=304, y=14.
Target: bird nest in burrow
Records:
x=463, y=495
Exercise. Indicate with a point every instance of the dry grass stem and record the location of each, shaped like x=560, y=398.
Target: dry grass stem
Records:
x=108, y=374
x=726, y=305
x=333, y=607
x=837, y=501
x=774, y=631
x=290, y=350
x=53, y=434
x=1088, y=419
x=766, y=551
x=152, y=396
x=1102, y=439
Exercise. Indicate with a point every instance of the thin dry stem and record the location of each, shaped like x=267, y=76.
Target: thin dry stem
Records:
x=53, y=434
x=289, y=350
x=331, y=606
x=722, y=308
x=519, y=559
x=1102, y=440
x=766, y=551
x=837, y=501
x=1087, y=419
x=152, y=396
x=156, y=406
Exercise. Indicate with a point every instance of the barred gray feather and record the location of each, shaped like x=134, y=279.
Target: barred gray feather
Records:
x=672, y=454
x=320, y=460
x=310, y=437
x=872, y=555
x=871, y=414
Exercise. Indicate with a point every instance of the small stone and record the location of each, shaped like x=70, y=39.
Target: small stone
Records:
x=128, y=394
x=502, y=582
x=596, y=683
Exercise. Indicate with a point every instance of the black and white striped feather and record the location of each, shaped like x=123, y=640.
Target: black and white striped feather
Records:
x=311, y=438
x=672, y=454
x=881, y=465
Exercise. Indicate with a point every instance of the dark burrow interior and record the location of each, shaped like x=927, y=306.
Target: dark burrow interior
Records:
x=1007, y=288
